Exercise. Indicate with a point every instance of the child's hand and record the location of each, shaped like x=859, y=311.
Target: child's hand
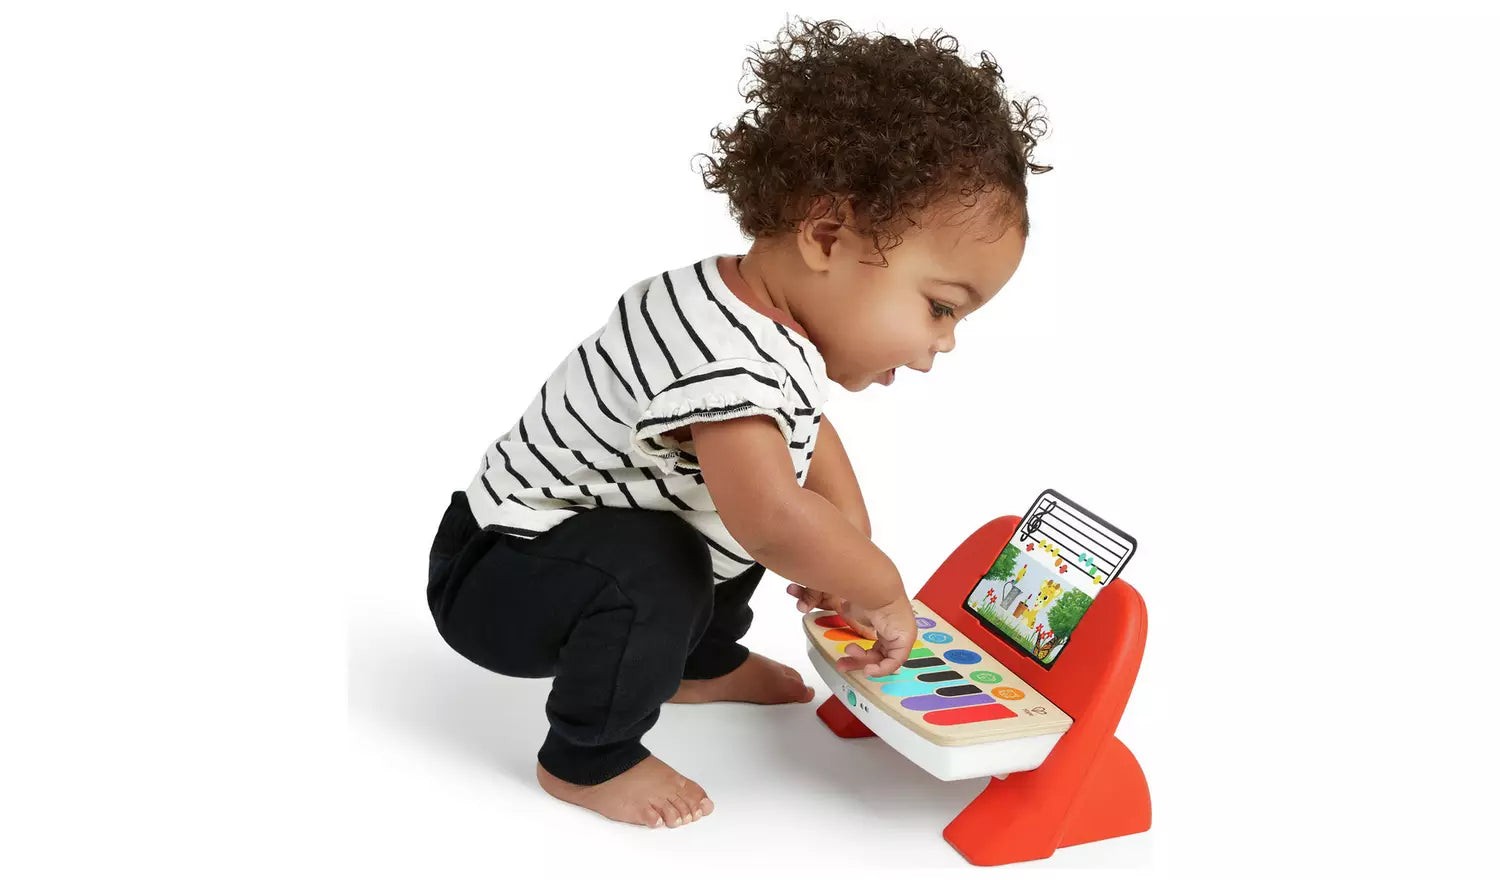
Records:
x=808, y=599
x=895, y=631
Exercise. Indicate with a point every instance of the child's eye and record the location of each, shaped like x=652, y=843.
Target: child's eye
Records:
x=941, y=311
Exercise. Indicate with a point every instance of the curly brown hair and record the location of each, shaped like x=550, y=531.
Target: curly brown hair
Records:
x=891, y=127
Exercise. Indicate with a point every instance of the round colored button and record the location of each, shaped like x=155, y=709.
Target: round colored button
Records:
x=853, y=700
x=1008, y=693
x=984, y=676
x=937, y=638
x=960, y=656
x=926, y=623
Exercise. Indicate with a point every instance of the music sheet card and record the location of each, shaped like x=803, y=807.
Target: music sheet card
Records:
x=1040, y=585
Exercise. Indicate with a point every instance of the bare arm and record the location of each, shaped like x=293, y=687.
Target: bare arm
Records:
x=794, y=531
x=802, y=536
x=831, y=475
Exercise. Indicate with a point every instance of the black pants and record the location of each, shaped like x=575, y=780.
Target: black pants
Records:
x=618, y=604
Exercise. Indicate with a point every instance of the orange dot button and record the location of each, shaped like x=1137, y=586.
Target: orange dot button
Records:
x=1008, y=693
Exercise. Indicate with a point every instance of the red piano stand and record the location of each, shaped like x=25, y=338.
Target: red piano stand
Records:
x=1090, y=786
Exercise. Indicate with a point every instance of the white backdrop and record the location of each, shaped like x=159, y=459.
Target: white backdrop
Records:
x=274, y=273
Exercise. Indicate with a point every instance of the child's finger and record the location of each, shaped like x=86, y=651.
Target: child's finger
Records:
x=886, y=666
x=854, y=657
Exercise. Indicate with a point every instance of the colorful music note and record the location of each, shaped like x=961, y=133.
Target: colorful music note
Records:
x=1062, y=569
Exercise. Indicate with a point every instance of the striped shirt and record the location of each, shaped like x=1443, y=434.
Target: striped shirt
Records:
x=677, y=348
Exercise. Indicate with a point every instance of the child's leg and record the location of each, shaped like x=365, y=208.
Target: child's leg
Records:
x=720, y=668
x=624, y=657
x=609, y=602
x=719, y=652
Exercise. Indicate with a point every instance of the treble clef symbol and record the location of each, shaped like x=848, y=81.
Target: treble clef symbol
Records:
x=1036, y=518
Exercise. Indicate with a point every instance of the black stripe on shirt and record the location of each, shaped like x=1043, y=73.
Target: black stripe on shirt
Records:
x=737, y=558
x=794, y=344
x=505, y=458
x=660, y=343
x=630, y=350
x=537, y=453
x=486, y=481
x=720, y=374
x=729, y=316
x=616, y=370
x=672, y=295
x=567, y=405
x=662, y=487
x=646, y=473
x=589, y=375
x=557, y=438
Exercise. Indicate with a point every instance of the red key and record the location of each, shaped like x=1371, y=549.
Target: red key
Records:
x=968, y=714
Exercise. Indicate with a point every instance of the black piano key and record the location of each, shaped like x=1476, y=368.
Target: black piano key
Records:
x=960, y=690
x=943, y=675
x=922, y=662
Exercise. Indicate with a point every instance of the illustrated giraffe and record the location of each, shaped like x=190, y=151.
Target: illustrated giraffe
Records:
x=1050, y=590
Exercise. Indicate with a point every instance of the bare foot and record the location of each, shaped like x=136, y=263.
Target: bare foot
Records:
x=650, y=793
x=758, y=680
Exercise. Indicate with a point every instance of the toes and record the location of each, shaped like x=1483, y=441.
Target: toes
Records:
x=696, y=799
x=683, y=808
x=692, y=791
x=650, y=817
x=668, y=809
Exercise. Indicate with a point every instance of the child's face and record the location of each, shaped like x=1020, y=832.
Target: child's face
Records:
x=870, y=320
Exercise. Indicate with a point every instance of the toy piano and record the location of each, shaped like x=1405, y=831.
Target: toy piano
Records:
x=989, y=691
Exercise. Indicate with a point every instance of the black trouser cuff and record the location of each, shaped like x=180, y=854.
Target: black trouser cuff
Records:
x=589, y=765
x=712, y=661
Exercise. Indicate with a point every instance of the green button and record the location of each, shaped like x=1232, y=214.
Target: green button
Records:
x=854, y=700
x=985, y=676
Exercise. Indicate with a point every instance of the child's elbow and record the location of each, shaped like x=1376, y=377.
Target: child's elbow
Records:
x=763, y=520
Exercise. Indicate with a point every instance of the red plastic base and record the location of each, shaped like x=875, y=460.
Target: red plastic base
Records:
x=1029, y=815
x=841, y=721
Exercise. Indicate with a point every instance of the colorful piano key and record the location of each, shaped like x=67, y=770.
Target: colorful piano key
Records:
x=934, y=701
x=969, y=714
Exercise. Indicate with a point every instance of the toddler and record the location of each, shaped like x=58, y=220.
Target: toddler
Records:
x=612, y=538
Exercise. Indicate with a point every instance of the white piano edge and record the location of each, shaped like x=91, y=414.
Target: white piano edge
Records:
x=945, y=762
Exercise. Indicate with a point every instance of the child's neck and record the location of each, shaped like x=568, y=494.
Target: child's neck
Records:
x=729, y=270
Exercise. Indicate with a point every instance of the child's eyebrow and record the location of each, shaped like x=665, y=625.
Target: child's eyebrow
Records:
x=966, y=286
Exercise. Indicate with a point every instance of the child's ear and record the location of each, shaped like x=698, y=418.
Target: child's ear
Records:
x=823, y=230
